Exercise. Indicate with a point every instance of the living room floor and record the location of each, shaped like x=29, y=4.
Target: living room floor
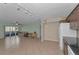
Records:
x=28, y=46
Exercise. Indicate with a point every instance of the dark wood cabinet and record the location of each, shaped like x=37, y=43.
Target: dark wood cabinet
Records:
x=73, y=18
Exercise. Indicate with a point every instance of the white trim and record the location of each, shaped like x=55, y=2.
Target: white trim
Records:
x=52, y=40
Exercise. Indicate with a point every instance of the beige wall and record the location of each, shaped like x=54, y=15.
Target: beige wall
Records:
x=51, y=31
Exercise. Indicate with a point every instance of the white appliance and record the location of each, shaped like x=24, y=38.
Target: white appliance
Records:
x=64, y=30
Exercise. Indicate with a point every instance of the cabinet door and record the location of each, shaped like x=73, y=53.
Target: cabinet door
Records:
x=74, y=19
x=51, y=31
x=77, y=19
x=73, y=22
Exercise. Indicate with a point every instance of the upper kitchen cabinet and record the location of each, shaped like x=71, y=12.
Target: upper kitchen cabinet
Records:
x=73, y=18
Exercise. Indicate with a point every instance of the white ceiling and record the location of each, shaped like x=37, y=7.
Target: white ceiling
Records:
x=9, y=13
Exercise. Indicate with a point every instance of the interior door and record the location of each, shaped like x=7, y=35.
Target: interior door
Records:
x=51, y=31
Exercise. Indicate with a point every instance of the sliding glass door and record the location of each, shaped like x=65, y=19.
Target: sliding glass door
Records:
x=11, y=31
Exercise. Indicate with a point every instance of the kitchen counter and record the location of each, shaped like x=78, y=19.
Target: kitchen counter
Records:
x=71, y=41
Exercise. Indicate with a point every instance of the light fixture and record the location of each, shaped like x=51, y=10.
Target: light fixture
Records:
x=16, y=23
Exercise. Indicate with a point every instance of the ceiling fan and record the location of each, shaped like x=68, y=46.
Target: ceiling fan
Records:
x=18, y=24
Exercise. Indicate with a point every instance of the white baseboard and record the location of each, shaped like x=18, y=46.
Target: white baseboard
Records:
x=53, y=40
